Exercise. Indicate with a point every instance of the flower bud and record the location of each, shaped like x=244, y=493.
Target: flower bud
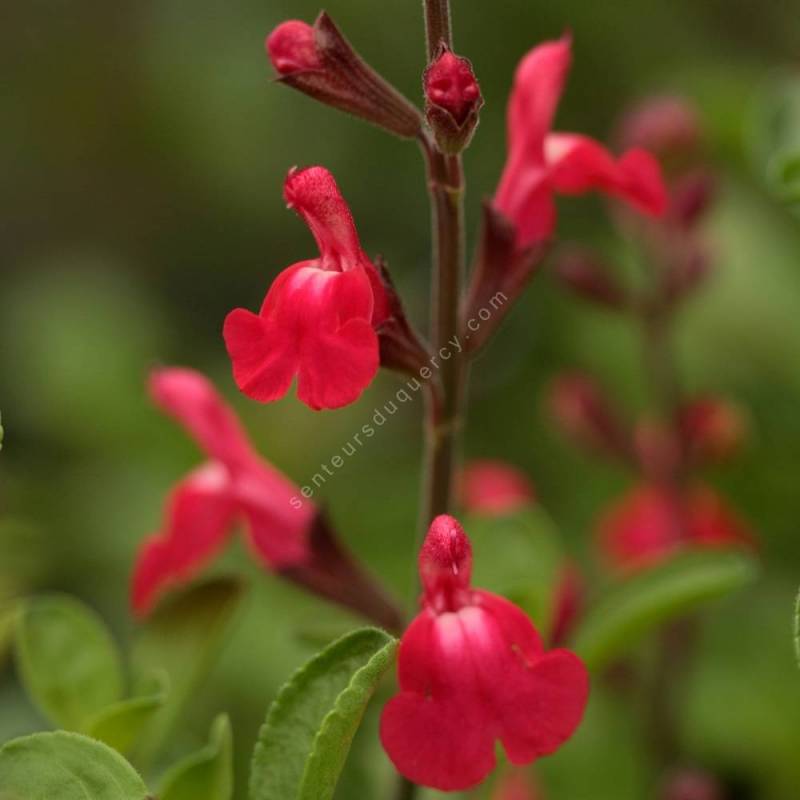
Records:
x=453, y=100
x=691, y=196
x=666, y=126
x=585, y=414
x=712, y=429
x=588, y=278
x=318, y=61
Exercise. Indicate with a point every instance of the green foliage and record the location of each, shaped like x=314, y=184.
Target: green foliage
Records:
x=67, y=660
x=776, y=138
x=797, y=628
x=121, y=724
x=519, y=556
x=182, y=638
x=66, y=766
x=206, y=774
x=310, y=726
x=640, y=604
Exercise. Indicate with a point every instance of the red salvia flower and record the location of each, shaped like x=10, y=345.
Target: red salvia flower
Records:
x=494, y=488
x=318, y=318
x=472, y=671
x=652, y=523
x=541, y=163
x=235, y=484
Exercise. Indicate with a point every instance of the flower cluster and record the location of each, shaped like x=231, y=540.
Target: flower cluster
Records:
x=668, y=509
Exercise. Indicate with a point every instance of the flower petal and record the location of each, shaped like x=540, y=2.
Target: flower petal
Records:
x=578, y=164
x=192, y=399
x=199, y=514
x=263, y=356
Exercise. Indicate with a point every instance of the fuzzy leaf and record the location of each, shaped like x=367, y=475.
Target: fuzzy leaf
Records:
x=66, y=766
x=643, y=602
x=67, y=659
x=121, y=724
x=305, y=740
x=206, y=774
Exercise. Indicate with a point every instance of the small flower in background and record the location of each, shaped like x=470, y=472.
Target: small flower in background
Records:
x=541, y=163
x=317, y=322
x=472, y=671
x=518, y=785
x=691, y=784
x=653, y=522
x=235, y=484
x=495, y=488
x=713, y=429
x=568, y=603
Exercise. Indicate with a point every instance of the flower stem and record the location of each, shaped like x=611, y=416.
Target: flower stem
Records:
x=445, y=397
x=437, y=25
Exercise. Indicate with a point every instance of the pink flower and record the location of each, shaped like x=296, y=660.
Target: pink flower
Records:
x=318, y=318
x=472, y=671
x=541, y=163
x=233, y=485
x=495, y=488
x=651, y=523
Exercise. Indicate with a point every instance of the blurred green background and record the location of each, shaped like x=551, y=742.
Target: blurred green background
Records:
x=143, y=148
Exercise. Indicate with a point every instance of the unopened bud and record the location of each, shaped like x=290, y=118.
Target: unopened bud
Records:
x=666, y=126
x=583, y=274
x=713, y=429
x=453, y=100
x=691, y=197
x=318, y=61
x=585, y=414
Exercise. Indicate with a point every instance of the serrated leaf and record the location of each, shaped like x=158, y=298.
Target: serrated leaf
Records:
x=121, y=724
x=206, y=774
x=67, y=660
x=648, y=599
x=518, y=556
x=183, y=638
x=305, y=740
x=66, y=766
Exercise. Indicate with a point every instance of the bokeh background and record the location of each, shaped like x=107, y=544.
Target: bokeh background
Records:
x=143, y=148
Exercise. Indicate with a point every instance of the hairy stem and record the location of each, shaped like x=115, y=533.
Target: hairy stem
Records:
x=437, y=25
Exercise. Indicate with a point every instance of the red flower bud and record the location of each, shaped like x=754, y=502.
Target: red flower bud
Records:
x=585, y=414
x=713, y=430
x=690, y=197
x=516, y=785
x=292, y=47
x=666, y=126
x=453, y=100
x=318, y=61
x=494, y=488
x=473, y=671
x=581, y=272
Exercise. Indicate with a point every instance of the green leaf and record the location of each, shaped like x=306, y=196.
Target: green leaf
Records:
x=518, y=556
x=183, y=638
x=121, y=724
x=206, y=774
x=305, y=740
x=648, y=599
x=66, y=766
x=67, y=659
